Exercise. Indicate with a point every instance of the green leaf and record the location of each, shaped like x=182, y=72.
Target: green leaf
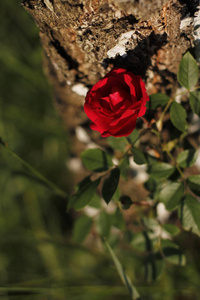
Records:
x=123, y=166
x=81, y=228
x=117, y=143
x=156, y=100
x=161, y=170
x=84, y=194
x=103, y=224
x=178, y=116
x=172, y=253
x=125, y=279
x=118, y=220
x=138, y=156
x=194, y=184
x=194, y=100
x=190, y=214
x=96, y=160
x=171, y=194
x=188, y=71
x=110, y=185
x=134, y=136
x=187, y=158
x=154, y=266
x=171, y=229
x=150, y=185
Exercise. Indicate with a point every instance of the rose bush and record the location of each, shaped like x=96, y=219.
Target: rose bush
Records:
x=115, y=102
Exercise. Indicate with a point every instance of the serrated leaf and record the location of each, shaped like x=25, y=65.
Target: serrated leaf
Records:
x=156, y=100
x=96, y=160
x=172, y=253
x=178, y=116
x=125, y=279
x=171, y=194
x=161, y=170
x=110, y=185
x=187, y=158
x=103, y=224
x=190, y=214
x=188, y=71
x=194, y=184
x=138, y=156
x=194, y=100
x=84, y=194
x=81, y=228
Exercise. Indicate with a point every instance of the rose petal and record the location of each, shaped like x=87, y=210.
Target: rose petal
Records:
x=124, y=128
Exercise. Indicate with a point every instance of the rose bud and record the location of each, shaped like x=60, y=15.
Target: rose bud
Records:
x=115, y=102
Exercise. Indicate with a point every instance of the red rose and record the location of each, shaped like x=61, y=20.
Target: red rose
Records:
x=115, y=102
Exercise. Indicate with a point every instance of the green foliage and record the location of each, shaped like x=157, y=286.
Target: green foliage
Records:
x=172, y=253
x=188, y=73
x=96, y=160
x=178, y=116
x=187, y=158
x=161, y=170
x=189, y=214
x=103, y=224
x=157, y=100
x=194, y=100
x=194, y=184
x=86, y=190
x=171, y=194
x=110, y=184
x=138, y=156
x=82, y=228
x=125, y=279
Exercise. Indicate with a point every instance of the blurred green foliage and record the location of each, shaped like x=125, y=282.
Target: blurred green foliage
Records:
x=37, y=257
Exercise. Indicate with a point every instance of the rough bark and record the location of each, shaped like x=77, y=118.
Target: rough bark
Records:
x=79, y=39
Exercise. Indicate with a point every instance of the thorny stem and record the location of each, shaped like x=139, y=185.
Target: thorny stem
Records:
x=36, y=173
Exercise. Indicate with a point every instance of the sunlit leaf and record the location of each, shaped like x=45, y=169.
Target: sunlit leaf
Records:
x=171, y=194
x=194, y=183
x=156, y=100
x=178, y=116
x=190, y=214
x=96, y=160
x=110, y=184
x=161, y=170
x=171, y=229
x=194, y=100
x=188, y=71
x=187, y=158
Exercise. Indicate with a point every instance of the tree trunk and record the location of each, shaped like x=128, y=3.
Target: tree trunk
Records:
x=84, y=39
